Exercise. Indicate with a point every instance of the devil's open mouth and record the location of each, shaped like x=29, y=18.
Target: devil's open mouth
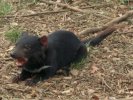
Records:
x=21, y=61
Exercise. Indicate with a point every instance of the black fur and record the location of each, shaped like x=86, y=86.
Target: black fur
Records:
x=44, y=59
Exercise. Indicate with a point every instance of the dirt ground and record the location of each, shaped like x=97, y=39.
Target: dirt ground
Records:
x=108, y=71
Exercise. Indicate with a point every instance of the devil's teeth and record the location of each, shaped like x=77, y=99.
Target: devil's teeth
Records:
x=26, y=59
x=18, y=64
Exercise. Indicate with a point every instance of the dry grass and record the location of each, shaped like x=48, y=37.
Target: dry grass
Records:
x=107, y=73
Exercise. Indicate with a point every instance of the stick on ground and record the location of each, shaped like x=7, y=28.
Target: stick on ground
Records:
x=64, y=5
x=35, y=14
x=73, y=8
x=114, y=21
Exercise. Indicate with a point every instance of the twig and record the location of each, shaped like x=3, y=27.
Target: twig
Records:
x=97, y=6
x=99, y=15
x=7, y=59
x=120, y=19
x=114, y=21
x=64, y=5
x=128, y=98
x=127, y=32
x=30, y=15
x=14, y=89
x=106, y=84
x=72, y=8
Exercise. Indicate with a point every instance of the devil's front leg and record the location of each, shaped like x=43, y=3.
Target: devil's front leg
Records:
x=43, y=75
x=47, y=72
x=22, y=76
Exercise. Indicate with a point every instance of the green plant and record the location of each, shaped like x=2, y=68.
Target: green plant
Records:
x=26, y=3
x=5, y=7
x=124, y=1
x=79, y=65
x=13, y=34
x=30, y=1
x=131, y=7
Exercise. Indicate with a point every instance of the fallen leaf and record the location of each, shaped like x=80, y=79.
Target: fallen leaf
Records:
x=130, y=74
x=34, y=93
x=10, y=48
x=130, y=63
x=108, y=0
x=106, y=98
x=67, y=91
x=112, y=98
x=14, y=24
x=94, y=69
x=90, y=91
x=116, y=59
x=83, y=93
x=74, y=72
x=68, y=78
x=94, y=97
x=58, y=1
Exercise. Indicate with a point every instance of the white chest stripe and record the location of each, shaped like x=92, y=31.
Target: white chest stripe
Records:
x=37, y=70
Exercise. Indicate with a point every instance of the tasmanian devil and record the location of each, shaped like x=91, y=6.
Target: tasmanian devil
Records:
x=41, y=57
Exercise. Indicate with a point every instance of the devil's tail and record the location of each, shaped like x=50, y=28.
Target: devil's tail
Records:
x=101, y=36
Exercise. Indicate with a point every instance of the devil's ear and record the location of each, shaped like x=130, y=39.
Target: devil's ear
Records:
x=24, y=34
x=43, y=40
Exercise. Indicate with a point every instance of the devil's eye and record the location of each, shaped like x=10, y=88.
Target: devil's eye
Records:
x=27, y=46
x=16, y=44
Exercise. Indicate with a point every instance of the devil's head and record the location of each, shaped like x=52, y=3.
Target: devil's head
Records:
x=27, y=46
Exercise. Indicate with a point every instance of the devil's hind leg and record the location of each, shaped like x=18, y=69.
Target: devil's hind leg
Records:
x=81, y=53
